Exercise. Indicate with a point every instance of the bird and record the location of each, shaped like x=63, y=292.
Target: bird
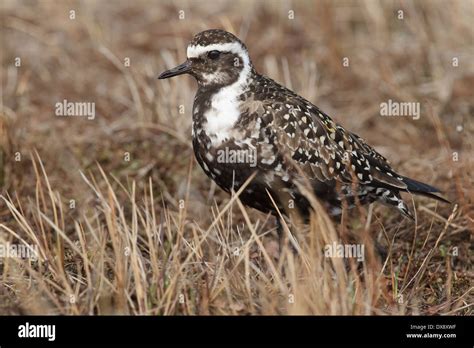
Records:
x=249, y=129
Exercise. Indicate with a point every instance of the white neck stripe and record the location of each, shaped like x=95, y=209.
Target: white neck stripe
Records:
x=224, y=111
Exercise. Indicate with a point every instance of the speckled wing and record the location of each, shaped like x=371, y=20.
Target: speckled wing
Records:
x=325, y=151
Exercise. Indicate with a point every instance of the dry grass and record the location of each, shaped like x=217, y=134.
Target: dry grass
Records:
x=153, y=235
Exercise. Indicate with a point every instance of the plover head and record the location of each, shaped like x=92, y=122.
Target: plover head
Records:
x=216, y=58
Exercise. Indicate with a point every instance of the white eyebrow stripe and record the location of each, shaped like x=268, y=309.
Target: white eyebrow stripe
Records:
x=234, y=47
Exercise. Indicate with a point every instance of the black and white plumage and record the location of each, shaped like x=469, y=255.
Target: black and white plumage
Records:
x=284, y=138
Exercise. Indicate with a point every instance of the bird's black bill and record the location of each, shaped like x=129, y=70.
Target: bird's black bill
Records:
x=180, y=69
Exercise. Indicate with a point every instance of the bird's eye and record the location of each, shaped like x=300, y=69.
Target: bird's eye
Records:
x=214, y=54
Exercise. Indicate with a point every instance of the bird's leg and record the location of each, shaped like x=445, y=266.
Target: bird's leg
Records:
x=283, y=237
x=281, y=234
x=380, y=251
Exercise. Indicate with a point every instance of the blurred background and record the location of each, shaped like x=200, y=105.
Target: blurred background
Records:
x=346, y=56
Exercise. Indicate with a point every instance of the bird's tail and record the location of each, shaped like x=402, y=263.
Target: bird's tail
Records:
x=423, y=189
